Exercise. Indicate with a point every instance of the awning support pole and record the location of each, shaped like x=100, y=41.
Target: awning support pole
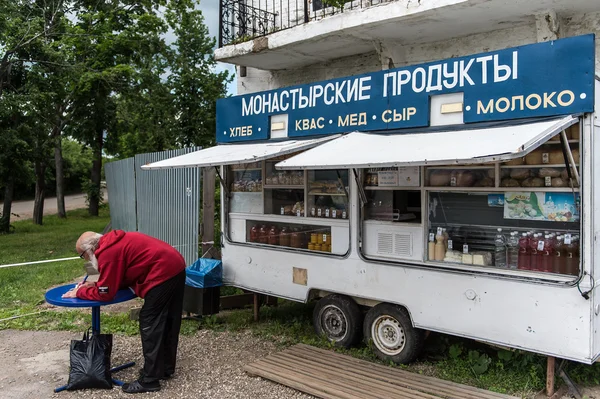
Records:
x=361, y=190
x=567, y=150
x=223, y=185
x=550, y=376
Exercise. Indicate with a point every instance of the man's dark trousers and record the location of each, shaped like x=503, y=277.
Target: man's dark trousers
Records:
x=160, y=322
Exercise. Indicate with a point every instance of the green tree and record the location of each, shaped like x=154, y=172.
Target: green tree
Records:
x=193, y=80
x=111, y=38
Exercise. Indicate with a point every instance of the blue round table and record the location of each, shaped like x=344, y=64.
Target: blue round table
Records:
x=54, y=297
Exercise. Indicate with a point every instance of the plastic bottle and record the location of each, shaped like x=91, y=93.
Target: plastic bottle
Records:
x=533, y=245
x=440, y=247
x=524, y=262
x=500, y=249
x=571, y=256
x=446, y=238
x=548, y=255
x=513, y=251
x=558, y=264
x=431, y=247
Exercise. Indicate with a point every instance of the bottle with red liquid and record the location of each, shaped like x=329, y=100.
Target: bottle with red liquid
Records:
x=547, y=254
x=533, y=259
x=263, y=235
x=524, y=262
x=558, y=264
x=571, y=255
x=254, y=233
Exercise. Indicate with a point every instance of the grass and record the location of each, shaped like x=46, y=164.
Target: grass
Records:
x=22, y=292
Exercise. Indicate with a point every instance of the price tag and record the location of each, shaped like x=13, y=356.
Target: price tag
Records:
x=334, y=214
x=282, y=210
x=298, y=213
x=568, y=239
x=453, y=181
x=439, y=231
x=319, y=212
x=449, y=244
x=431, y=237
x=548, y=181
x=312, y=212
x=327, y=212
x=545, y=157
x=540, y=246
x=465, y=249
x=344, y=215
x=324, y=237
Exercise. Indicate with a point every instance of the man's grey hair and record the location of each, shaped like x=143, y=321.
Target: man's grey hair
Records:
x=91, y=243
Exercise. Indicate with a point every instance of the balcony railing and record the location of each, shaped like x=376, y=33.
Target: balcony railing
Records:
x=244, y=20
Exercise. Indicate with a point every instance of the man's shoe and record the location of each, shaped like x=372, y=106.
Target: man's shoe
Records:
x=166, y=376
x=139, y=387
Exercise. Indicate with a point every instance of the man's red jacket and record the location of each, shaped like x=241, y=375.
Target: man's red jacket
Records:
x=132, y=260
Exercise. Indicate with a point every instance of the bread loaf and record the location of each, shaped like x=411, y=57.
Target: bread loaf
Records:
x=438, y=178
x=485, y=182
x=533, y=182
x=515, y=162
x=555, y=157
x=549, y=172
x=534, y=158
x=575, y=156
x=509, y=183
x=462, y=178
x=559, y=182
x=519, y=174
x=575, y=132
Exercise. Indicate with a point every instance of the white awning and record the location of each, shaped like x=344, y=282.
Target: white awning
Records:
x=364, y=150
x=235, y=154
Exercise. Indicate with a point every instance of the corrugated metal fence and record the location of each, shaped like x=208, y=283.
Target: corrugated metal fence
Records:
x=166, y=203
x=120, y=183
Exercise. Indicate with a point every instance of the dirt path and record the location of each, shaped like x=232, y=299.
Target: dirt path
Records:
x=25, y=208
x=209, y=367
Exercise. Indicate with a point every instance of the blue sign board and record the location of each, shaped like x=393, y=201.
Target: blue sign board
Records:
x=543, y=79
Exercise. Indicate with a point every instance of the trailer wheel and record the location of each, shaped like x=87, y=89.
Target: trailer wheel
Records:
x=391, y=335
x=339, y=319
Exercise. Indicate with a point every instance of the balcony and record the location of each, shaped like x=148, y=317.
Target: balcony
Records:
x=288, y=34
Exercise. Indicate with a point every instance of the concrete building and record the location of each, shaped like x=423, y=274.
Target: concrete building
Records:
x=277, y=43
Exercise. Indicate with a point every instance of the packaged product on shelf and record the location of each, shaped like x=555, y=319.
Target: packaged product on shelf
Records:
x=520, y=174
x=462, y=178
x=507, y=182
x=485, y=182
x=467, y=259
x=482, y=258
x=453, y=256
x=549, y=172
x=439, y=178
x=533, y=182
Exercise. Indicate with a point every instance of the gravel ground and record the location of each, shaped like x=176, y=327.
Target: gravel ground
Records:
x=210, y=365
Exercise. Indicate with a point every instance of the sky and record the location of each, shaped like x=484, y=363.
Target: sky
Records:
x=210, y=10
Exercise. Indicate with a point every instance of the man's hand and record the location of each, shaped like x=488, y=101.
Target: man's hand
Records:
x=72, y=293
x=86, y=284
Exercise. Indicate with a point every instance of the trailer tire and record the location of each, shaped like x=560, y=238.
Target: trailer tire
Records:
x=389, y=332
x=339, y=319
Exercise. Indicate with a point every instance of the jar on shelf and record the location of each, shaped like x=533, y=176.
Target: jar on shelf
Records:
x=313, y=238
x=254, y=233
x=284, y=237
x=295, y=239
x=263, y=235
x=273, y=238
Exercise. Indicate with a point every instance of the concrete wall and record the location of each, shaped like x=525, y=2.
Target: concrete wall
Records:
x=392, y=54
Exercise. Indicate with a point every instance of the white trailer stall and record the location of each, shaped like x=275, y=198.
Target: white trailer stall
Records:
x=382, y=195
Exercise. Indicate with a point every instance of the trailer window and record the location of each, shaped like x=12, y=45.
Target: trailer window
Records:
x=525, y=230
x=393, y=206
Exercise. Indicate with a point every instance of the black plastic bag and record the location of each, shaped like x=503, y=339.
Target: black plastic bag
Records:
x=90, y=362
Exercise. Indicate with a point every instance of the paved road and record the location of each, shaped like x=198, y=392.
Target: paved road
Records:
x=25, y=208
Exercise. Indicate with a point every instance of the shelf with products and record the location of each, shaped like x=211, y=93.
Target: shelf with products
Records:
x=477, y=230
x=461, y=177
x=391, y=177
x=536, y=176
x=284, y=202
x=290, y=235
x=291, y=187
x=327, y=195
x=274, y=177
x=245, y=179
x=502, y=189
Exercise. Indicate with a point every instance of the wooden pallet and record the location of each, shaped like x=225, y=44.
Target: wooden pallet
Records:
x=329, y=375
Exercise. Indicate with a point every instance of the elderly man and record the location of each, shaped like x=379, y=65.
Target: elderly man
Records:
x=156, y=272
